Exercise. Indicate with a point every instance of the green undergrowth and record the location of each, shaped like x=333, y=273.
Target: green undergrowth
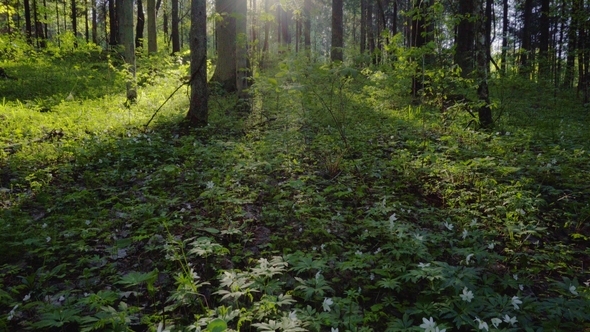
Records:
x=333, y=205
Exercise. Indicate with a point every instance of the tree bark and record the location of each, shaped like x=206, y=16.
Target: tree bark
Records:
x=464, y=44
x=74, y=22
x=152, y=33
x=175, y=22
x=198, y=111
x=225, y=71
x=482, y=62
x=86, y=25
x=28, y=27
x=363, y=32
x=241, y=45
x=337, y=31
x=505, y=23
x=526, y=49
x=140, y=25
x=307, y=24
x=544, y=39
x=94, y=23
x=128, y=42
x=113, y=24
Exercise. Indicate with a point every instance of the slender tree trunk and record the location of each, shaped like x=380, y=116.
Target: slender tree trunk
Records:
x=370, y=30
x=465, y=38
x=337, y=31
x=74, y=22
x=128, y=42
x=86, y=25
x=165, y=25
x=57, y=20
x=307, y=24
x=152, y=33
x=484, y=111
x=225, y=71
x=363, y=39
x=240, y=47
x=526, y=52
x=175, y=21
x=94, y=22
x=505, y=23
x=28, y=27
x=198, y=111
x=266, y=28
x=113, y=22
x=140, y=25
x=544, y=39
x=46, y=21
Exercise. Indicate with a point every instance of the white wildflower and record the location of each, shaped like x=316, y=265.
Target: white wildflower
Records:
x=573, y=290
x=521, y=212
x=468, y=259
x=334, y=330
x=48, y=238
x=27, y=297
x=521, y=287
x=515, y=276
x=515, y=302
x=327, y=303
x=377, y=251
x=392, y=218
x=491, y=245
x=496, y=322
x=372, y=276
x=419, y=237
x=210, y=184
x=62, y=298
x=314, y=248
x=423, y=265
x=322, y=246
x=44, y=225
x=482, y=325
x=428, y=324
x=449, y=226
x=300, y=229
x=318, y=275
x=464, y=235
x=467, y=295
x=358, y=253
x=88, y=222
x=473, y=222
x=509, y=320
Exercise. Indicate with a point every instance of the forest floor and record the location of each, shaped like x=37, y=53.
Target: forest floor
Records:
x=333, y=204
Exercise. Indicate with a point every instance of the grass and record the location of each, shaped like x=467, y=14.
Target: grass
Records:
x=333, y=204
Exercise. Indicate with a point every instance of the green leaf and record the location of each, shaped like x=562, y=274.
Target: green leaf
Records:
x=217, y=325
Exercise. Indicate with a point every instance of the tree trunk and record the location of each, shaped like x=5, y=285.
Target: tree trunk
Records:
x=307, y=24
x=544, y=39
x=482, y=65
x=175, y=20
x=363, y=39
x=465, y=38
x=152, y=33
x=113, y=24
x=128, y=42
x=28, y=27
x=225, y=71
x=94, y=23
x=241, y=44
x=74, y=22
x=86, y=25
x=337, y=31
x=198, y=111
x=140, y=25
x=505, y=23
x=526, y=51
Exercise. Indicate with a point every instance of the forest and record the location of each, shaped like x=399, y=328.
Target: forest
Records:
x=295, y=165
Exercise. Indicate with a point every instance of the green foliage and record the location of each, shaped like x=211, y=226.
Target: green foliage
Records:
x=334, y=205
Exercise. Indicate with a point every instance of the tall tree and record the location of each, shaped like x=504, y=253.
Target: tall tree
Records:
x=505, y=23
x=482, y=66
x=307, y=24
x=225, y=71
x=94, y=23
x=465, y=42
x=28, y=28
x=544, y=39
x=526, y=47
x=175, y=31
x=337, y=31
x=198, y=111
x=240, y=47
x=74, y=21
x=140, y=25
x=363, y=32
x=128, y=42
x=152, y=35
x=113, y=24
